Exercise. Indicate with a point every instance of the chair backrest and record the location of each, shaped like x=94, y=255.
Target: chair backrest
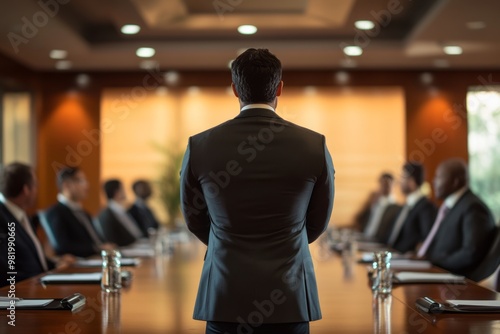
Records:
x=490, y=262
x=48, y=229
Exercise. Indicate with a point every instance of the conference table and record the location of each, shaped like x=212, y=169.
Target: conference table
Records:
x=162, y=292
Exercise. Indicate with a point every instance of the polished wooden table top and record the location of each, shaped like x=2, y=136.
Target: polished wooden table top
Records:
x=162, y=295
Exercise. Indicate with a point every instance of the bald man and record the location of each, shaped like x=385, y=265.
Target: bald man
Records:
x=463, y=230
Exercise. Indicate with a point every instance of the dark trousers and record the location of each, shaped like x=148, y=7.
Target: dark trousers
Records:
x=216, y=327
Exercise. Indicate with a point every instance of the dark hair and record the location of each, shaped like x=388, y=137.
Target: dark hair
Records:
x=67, y=173
x=14, y=177
x=388, y=176
x=416, y=171
x=111, y=187
x=256, y=74
x=137, y=184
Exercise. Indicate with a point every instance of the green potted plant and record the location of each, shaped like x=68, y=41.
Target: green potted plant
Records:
x=169, y=184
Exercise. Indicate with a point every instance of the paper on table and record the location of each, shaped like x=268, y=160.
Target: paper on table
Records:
x=410, y=264
x=27, y=303
x=475, y=304
x=419, y=277
x=98, y=262
x=80, y=277
x=137, y=252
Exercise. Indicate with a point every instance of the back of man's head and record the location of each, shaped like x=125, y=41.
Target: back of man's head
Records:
x=14, y=177
x=256, y=75
x=111, y=187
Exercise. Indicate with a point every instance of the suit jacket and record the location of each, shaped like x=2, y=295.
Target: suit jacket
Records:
x=416, y=226
x=144, y=217
x=386, y=222
x=112, y=230
x=464, y=237
x=257, y=190
x=27, y=263
x=70, y=235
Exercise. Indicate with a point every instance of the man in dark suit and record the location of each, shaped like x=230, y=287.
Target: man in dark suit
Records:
x=418, y=214
x=18, y=187
x=257, y=190
x=464, y=228
x=70, y=227
x=140, y=211
x=114, y=223
x=382, y=211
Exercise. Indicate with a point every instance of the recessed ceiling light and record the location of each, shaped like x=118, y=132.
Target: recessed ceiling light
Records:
x=247, y=29
x=426, y=78
x=148, y=64
x=348, y=63
x=130, y=29
x=171, y=77
x=353, y=50
x=452, y=50
x=63, y=65
x=82, y=80
x=145, y=52
x=441, y=63
x=364, y=24
x=58, y=54
x=342, y=77
x=476, y=25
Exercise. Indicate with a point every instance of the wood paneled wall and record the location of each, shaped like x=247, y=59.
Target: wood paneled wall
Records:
x=68, y=117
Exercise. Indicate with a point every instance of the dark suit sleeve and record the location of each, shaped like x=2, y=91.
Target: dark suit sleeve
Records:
x=193, y=204
x=321, y=203
x=475, y=231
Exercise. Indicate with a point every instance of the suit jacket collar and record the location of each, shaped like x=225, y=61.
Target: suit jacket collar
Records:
x=258, y=112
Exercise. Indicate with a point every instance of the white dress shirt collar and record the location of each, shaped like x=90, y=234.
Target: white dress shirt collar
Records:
x=452, y=199
x=69, y=203
x=413, y=198
x=16, y=211
x=257, y=106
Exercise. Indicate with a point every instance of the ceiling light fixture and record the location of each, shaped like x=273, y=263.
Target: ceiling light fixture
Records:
x=452, y=50
x=145, y=52
x=353, y=51
x=441, y=63
x=148, y=64
x=364, y=24
x=247, y=29
x=476, y=25
x=130, y=29
x=63, y=65
x=58, y=54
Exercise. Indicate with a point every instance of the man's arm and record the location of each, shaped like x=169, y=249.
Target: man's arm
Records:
x=476, y=231
x=193, y=204
x=321, y=203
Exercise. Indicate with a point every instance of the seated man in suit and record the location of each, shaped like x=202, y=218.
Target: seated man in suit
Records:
x=383, y=211
x=68, y=222
x=114, y=223
x=18, y=186
x=415, y=220
x=140, y=211
x=464, y=228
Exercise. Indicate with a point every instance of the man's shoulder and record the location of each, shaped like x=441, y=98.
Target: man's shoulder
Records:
x=276, y=124
x=56, y=208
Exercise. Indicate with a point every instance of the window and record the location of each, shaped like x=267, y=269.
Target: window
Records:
x=483, y=105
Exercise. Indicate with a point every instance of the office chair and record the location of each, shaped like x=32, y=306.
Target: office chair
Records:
x=490, y=263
